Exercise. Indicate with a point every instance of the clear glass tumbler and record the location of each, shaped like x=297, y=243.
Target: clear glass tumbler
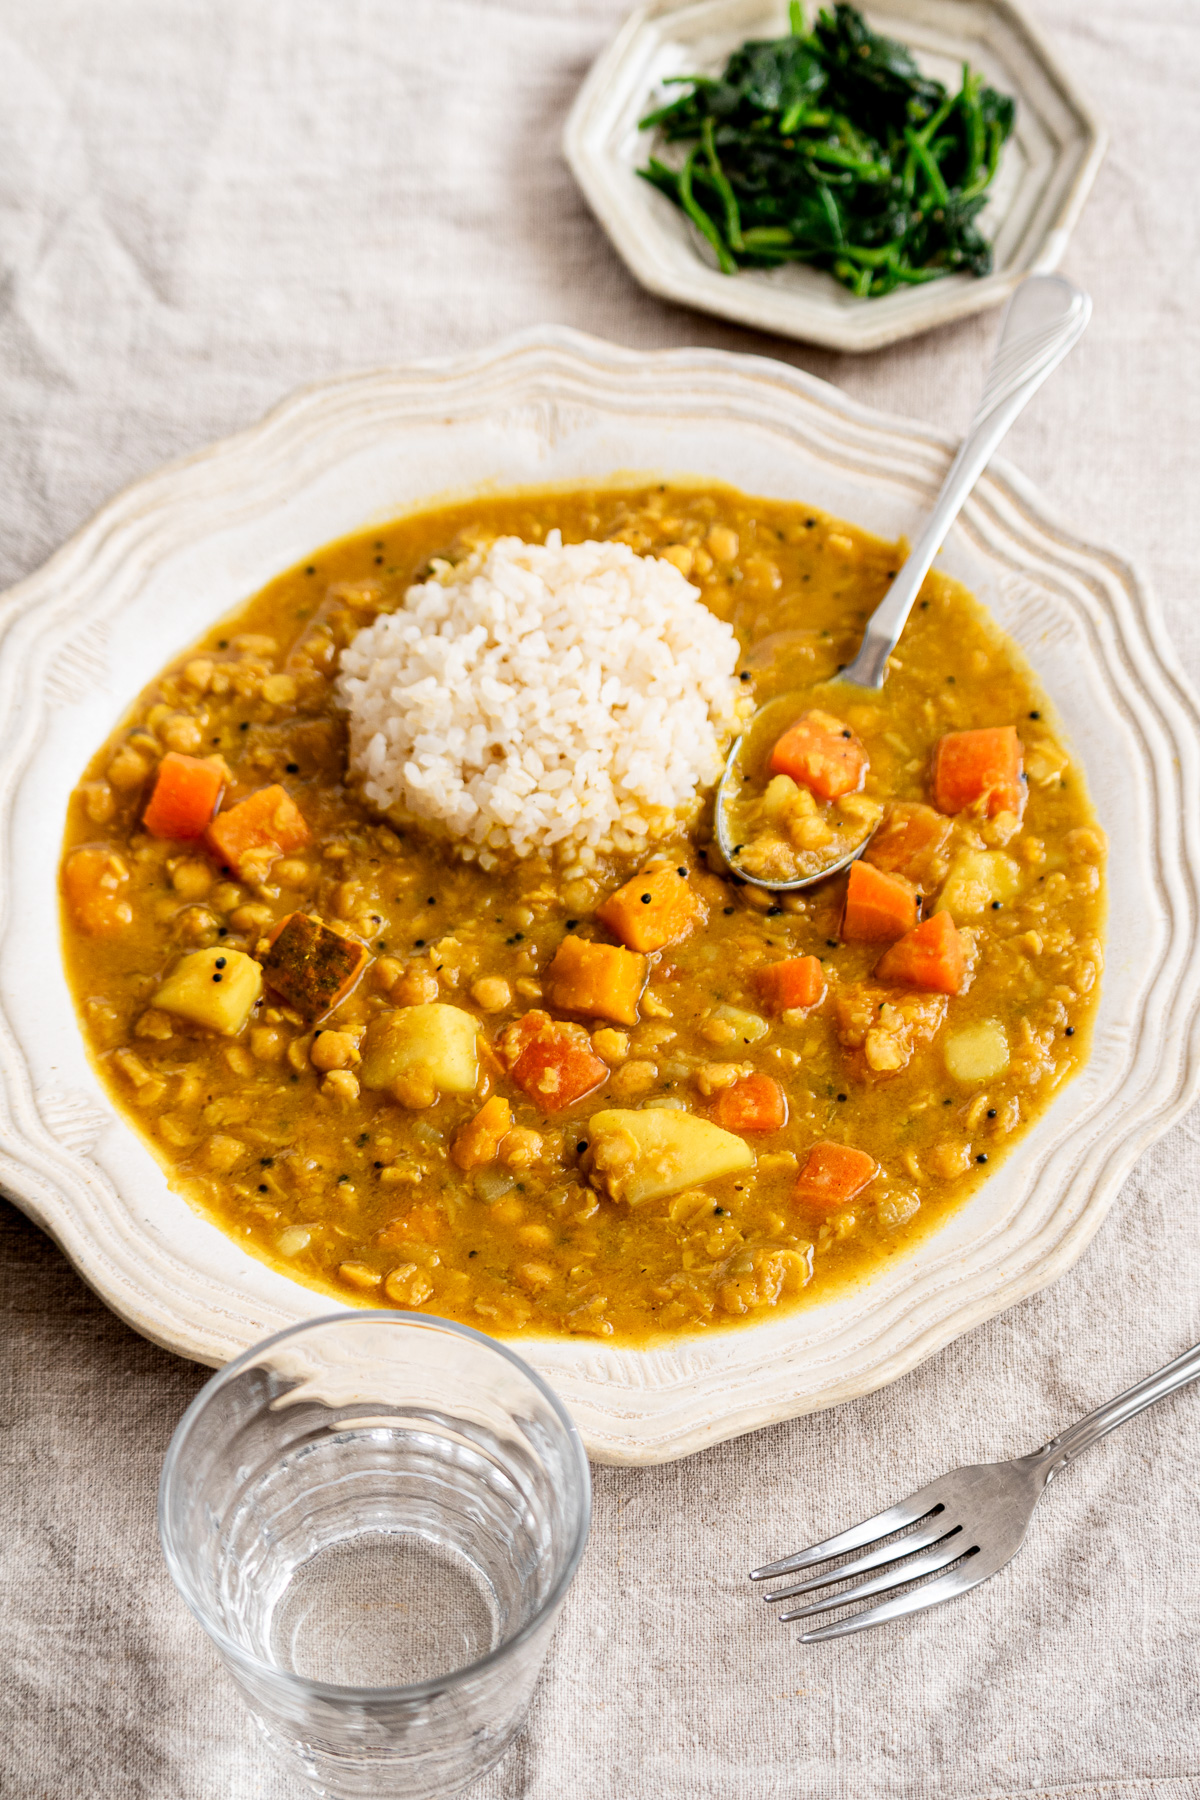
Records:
x=376, y=1517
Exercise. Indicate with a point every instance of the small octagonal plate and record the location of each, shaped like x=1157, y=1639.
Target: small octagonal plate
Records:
x=1045, y=172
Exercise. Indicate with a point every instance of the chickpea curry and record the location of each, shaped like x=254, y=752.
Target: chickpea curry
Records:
x=635, y=1097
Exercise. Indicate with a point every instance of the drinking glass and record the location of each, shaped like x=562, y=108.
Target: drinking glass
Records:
x=376, y=1517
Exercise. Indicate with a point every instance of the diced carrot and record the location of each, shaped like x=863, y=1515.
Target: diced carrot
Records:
x=480, y=1138
x=980, y=769
x=553, y=1063
x=312, y=967
x=755, y=1103
x=92, y=882
x=879, y=907
x=247, y=838
x=793, y=984
x=186, y=792
x=656, y=908
x=911, y=842
x=822, y=754
x=932, y=955
x=601, y=980
x=832, y=1174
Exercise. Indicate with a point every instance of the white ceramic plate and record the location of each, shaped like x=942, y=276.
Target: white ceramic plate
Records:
x=1046, y=170
x=79, y=639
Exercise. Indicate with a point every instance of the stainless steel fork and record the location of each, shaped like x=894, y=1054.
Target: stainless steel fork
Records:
x=967, y=1525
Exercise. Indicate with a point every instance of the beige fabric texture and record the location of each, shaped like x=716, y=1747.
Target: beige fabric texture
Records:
x=205, y=203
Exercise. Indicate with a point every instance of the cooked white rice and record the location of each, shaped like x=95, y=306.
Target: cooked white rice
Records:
x=569, y=695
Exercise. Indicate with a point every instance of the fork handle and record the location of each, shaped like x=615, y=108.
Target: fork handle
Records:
x=1066, y=1446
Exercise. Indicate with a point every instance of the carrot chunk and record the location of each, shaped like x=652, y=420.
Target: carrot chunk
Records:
x=879, y=907
x=755, y=1103
x=312, y=967
x=822, y=754
x=832, y=1174
x=911, y=842
x=601, y=980
x=553, y=1063
x=479, y=1140
x=979, y=769
x=186, y=792
x=795, y=983
x=249, y=836
x=654, y=909
x=932, y=955
x=92, y=881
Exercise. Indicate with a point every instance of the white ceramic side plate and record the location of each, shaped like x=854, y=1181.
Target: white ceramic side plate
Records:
x=1046, y=170
x=81, y=637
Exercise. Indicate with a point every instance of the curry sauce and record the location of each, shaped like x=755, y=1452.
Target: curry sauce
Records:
x=772, y=1019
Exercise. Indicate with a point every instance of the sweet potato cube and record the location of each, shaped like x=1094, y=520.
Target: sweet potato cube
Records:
x=755, y=1103
x=312, y=967
x=92, y=882
x=552, y=1062
x=911, y=842
x=654, y=909
x=822, y=754
x=794, y=984
x=601, y=980
x=479, y=1140
x=831, y=1175
x=216, y=988
x=186, y=792
x=979, y=769
x=932, y=955
x=248, y=837
x=879, y=907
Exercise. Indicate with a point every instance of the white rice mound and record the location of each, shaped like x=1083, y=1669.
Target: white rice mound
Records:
x=541, y=696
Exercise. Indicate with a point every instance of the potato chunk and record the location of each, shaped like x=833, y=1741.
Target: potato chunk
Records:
x=640, y=1156
x=976, y=881
x=978, y=1052
x=433, y=1043
x=213, y=987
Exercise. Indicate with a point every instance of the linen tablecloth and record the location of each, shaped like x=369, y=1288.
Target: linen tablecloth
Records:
x=205, y=203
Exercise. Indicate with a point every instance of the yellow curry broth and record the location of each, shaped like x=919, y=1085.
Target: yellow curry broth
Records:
x=271, y=1134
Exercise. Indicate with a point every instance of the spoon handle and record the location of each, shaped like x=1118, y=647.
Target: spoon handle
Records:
x=1045, y=317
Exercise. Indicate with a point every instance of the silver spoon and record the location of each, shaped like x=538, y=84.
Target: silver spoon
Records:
x=1044, y=319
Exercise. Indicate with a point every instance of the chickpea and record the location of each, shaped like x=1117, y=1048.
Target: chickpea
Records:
x=198, y=673
x=407, y=1285
x=196, y=925
x=251, y=917
x=333, y=1050
x=635, y=1078
x=182, y=734
x=681, y=555
x=520, y=1148
x=279, y=690
x=387, y=972
x=191, y=878
x=492, y=994
x=416, y=987
x=534, y=1276
x=127, y=770
x=416, y=1092
x=359, y=1275
x=723, y=543
x=268, y=1044
x=341, y=1087
x=611, y=1046
x=291, y=872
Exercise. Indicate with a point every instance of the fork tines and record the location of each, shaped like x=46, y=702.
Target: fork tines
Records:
x=909, y=1556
